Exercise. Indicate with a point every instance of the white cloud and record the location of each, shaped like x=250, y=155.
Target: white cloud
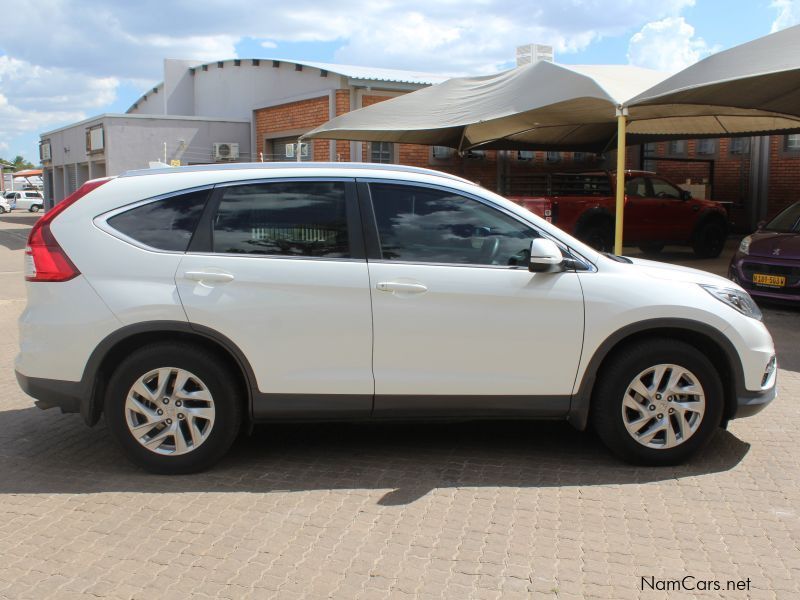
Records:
x=788, y=14
x=268, y=44
x=667, y=45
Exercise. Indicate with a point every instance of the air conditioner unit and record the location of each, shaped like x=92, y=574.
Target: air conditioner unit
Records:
x=226, y=151
x=291, y=150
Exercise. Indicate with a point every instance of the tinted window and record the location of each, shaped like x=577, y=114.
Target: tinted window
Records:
x=164, y=224
x=305, y=218
x=787, y=221
x=419, y=224
x=636, y=187
x=662, y=189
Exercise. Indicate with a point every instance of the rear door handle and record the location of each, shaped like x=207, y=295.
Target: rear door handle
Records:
x=403, y=287
x=209, y=276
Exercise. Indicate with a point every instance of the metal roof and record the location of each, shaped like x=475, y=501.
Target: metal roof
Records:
x=373, y=73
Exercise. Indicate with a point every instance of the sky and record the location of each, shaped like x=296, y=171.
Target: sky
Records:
x=68, y=60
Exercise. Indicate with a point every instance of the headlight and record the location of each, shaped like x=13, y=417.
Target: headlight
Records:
x=744, y=245
x=738, y=299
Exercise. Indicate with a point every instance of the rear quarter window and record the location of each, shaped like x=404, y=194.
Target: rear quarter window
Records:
x=166, y=224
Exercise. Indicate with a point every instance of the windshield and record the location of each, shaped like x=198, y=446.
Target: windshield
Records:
x=786, y=221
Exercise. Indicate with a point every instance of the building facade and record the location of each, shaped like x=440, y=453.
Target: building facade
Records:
x=256, y=109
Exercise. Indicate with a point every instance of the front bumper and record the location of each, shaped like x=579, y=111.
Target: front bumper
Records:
x=53, y=393
x=751, y=403
x=743, y=266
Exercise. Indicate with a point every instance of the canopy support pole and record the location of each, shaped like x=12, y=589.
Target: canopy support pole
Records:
x=622, y=118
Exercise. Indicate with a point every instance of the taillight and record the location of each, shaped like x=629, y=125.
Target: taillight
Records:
x=45, y=259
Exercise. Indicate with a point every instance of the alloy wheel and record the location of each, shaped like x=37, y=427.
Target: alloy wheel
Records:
x=663, y=406
x=169, y=411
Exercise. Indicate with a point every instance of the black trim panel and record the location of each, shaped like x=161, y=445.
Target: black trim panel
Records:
x=267, y=407
x=751, y=403
x=457, y=406
x=579, y=409
x=52, y=393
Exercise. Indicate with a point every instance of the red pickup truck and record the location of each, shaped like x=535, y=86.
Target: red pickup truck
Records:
x=657, y=212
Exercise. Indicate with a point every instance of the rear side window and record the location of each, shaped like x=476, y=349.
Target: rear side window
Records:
x=164, y=224
x=297, y=218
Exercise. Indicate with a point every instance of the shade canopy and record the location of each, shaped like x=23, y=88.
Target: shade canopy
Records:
x=542, y=105
x=751, y=89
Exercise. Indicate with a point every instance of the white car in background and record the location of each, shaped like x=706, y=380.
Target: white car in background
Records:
x=188, y=303
x=4, y=206
x=32, y=201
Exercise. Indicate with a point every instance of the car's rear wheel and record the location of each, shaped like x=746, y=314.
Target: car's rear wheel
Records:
x=2, y=210
x=709, y=239
x=174, y=408
x=35, y=208
x=657, y=402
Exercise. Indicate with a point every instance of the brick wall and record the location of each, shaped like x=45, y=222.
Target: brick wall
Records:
x=784, y=177
x=304, y=114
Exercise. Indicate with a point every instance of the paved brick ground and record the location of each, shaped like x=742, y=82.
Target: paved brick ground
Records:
x=358, y=512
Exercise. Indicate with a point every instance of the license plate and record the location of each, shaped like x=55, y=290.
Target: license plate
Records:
x=769, y=280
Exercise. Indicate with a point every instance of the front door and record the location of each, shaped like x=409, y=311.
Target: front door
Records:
x=285, y=278
x=673, y=213
x=460, y=324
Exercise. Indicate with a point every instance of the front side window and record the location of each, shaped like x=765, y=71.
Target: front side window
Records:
x=297, y=218
x=166, y=224
x=664, y=189
x=418, y=224
x=636, y=187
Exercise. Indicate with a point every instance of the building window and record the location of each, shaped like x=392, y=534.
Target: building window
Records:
x=676, y=147
x=580, y=156
x=526, y=155
x=650, y=149
x=791, y=143
x=442, y=153
x=95, y=141
x=553, y=157
x=476, y=154
x=381, y=152
x=286, y=149
x=739, y=145
x=44, y=150
x=706, y=146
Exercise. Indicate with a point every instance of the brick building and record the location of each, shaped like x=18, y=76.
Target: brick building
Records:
x=280, y=100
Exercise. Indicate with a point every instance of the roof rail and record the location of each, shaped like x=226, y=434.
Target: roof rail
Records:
x=294, y=165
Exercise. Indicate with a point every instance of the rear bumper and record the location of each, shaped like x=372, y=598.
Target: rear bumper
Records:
x=52, y=393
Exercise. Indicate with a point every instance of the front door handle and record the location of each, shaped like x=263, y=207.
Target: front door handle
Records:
x=209, y=276
x=402, y=287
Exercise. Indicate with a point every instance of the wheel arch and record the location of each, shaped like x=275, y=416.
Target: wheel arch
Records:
x=109, y=353
x=714, y=344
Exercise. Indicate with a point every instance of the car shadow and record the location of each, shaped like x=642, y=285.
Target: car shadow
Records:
x=43, y=453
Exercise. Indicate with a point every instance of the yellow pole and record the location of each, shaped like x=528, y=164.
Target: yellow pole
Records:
x=622, y=114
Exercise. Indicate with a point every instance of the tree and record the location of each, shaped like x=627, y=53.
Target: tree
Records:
x=18, y=164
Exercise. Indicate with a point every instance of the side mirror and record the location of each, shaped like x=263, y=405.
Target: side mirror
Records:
x=686, y=195
x=761, y=225
x=545, y=257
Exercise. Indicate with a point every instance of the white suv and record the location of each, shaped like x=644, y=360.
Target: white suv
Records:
x=30, y=201
x=186, y=303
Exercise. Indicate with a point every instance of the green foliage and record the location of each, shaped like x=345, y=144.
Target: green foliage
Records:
x=18, y=164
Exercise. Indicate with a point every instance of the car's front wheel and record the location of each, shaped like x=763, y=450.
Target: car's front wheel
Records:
x=657, y=402
x=174, y=408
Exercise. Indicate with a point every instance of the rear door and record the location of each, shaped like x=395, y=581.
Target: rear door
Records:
x=278, y=268
x=461, y=326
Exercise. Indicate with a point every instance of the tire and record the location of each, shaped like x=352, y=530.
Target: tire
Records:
x=34, y=208
x=709, y=240
x=170, y=363
x=651, y=248
x=597, y=234
x=2, y=210
x=610, y=410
